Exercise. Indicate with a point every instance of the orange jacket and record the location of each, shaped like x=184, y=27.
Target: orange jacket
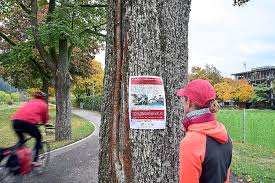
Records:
x=205, y=154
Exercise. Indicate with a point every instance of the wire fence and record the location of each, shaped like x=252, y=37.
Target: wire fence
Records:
x=250, y=126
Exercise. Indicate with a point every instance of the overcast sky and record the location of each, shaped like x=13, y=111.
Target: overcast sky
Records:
x=228, y=36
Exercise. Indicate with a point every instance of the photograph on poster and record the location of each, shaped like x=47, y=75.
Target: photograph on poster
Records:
x=145, y=99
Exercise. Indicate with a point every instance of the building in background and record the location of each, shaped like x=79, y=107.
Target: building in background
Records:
x=260, y=75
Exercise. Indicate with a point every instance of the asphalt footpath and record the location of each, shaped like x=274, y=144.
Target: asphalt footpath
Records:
x=78, y=162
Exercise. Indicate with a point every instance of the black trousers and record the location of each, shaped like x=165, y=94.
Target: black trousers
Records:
x=21, y=127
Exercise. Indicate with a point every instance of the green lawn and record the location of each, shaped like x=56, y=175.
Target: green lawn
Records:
x=254, y=160
x=260, y=126
x=80, y=129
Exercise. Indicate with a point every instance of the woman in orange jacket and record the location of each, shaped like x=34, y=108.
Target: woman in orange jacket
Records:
x=206, y=150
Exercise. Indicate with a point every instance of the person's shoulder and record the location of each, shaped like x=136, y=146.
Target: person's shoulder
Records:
x=193, y=145
x=193, y=138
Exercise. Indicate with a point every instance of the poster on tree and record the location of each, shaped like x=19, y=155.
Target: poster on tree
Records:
x=147, y=106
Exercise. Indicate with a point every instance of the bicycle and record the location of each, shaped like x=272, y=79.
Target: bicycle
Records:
x=8, y=156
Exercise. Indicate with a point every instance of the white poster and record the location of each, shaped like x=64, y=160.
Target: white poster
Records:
x=147, y=106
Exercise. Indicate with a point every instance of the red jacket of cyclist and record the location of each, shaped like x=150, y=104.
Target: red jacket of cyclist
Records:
x=26, y=118
x=206, y=150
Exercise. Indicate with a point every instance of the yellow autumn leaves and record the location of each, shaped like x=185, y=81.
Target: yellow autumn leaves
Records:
x=239, y=90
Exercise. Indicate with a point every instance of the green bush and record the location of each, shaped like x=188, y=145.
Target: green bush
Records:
x=15, y=97
x=5, y=97
x=90, y=102
x=10, y=98
x=75, y=102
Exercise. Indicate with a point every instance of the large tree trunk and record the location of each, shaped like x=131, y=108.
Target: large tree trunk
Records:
x=45, y=88
x=62, y=87
x=147, y=38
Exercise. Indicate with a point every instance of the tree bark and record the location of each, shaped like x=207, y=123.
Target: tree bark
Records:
x=62, y=87
x=154, y=41
x=45, y=88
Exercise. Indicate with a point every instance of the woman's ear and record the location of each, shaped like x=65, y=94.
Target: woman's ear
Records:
x=188, y=102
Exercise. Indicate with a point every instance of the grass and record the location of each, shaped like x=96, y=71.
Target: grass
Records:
x=255, y=160
x=260, y=126
x=253, y=163
x=80, y=129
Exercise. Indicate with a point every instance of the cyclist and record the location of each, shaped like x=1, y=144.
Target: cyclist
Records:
x=27, y=117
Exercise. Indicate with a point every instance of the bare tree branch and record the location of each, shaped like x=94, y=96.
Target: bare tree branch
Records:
x=23, y=7
x=93, y=5
x=39, y=45
x=11, y=42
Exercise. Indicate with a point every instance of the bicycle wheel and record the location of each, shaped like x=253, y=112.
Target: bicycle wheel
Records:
x=4, y=172
x=43, y=158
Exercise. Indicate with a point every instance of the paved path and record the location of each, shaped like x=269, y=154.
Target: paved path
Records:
x=77, y=163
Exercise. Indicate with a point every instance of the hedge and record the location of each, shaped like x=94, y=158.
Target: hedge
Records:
x=10, y=98
x=90, y=102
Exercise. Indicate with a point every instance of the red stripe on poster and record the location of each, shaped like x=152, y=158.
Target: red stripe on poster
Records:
x=147, y=114
x=146, y=81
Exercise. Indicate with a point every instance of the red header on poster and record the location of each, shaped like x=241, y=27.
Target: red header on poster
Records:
x=146, y=81
x=147, y=114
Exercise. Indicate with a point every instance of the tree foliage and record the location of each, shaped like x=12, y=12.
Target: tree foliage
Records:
x=225, y=90
x=210, y=73
x=238, y=90
x=21, y=64
x=91, y=85
x=244, y=91
x=261, y=93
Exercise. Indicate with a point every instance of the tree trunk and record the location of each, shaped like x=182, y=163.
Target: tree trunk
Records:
x=45, y=88
x=62, y=87
x=150, y=38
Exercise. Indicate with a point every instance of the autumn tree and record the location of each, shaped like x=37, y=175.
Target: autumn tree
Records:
x=210, y=73
x=225, y=90
x=63, y=26
x=243, y=91
x=91, y=84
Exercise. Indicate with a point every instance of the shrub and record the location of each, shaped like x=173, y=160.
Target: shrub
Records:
x=15, y=97
x=90, y=102
x=4, y=97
